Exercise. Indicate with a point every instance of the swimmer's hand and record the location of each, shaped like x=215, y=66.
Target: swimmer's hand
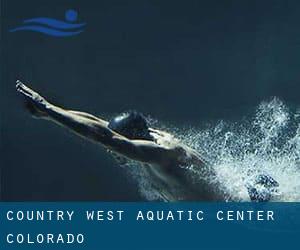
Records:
x=35, y=103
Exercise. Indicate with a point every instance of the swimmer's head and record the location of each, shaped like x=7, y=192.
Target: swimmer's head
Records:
x=132, y=125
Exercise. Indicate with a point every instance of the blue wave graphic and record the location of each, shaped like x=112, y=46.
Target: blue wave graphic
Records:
x=53, y=23
x=55, y=27
x=47, y=31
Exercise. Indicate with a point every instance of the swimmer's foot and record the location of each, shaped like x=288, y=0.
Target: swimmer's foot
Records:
x=34, y=103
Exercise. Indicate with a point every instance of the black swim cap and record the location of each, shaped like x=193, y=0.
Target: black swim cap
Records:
x=132, y=125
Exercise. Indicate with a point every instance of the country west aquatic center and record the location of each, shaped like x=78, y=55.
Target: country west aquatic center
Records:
x=149, y=215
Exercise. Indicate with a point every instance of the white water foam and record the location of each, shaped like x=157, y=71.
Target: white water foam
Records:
x=268, y=142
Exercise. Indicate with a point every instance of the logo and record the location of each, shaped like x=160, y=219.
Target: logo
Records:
x=53, y=27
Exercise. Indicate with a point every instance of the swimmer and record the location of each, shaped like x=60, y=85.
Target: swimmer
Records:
x=129, y=136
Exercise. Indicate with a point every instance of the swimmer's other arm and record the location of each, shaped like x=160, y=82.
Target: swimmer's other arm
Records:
x=95, y=129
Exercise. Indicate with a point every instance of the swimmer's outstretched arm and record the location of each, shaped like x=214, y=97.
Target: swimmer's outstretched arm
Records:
x=95, y=129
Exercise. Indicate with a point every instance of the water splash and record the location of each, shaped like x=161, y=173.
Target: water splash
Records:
x=267, y=142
